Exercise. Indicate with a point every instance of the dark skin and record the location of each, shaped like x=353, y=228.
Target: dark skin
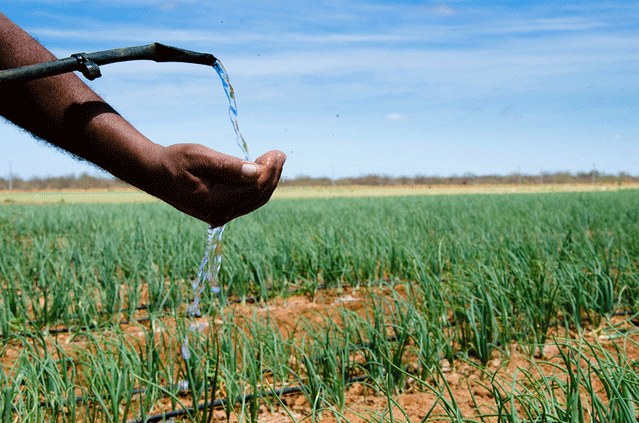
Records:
x=64, y=111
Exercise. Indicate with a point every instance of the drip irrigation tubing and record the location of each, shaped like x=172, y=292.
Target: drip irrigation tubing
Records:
x=223, y=401
x=137, y=391
x=57, y=331
x=249, y=300
x=67, y=329
x=214, y=404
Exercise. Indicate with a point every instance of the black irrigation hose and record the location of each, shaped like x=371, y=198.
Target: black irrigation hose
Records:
x=56, y=331
x=249, y=300
x=626, y=312
x=136, y=391
x=223, y=401
x=80, y=398
x=214, y=404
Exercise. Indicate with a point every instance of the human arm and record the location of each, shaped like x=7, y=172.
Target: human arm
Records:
x=64, y=111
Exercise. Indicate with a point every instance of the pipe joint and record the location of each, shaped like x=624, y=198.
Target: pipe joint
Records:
x=89, y=69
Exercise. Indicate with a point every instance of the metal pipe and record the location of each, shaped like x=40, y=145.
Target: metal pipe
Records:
x=88, y=63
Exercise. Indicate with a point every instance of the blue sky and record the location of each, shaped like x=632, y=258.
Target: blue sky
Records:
x=348, y=88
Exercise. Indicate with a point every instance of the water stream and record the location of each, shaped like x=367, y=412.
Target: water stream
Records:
x=211, y=261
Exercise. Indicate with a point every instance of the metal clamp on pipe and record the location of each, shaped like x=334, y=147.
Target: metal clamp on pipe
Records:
x=89, y=69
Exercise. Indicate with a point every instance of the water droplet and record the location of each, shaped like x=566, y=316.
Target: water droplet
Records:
x=186, y=354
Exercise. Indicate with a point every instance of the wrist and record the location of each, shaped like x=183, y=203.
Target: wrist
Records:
x=109, y=141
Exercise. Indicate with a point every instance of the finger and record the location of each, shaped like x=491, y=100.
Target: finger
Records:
x=271, y=158
x=273, y=161
x=281, y=159
x=221, y=167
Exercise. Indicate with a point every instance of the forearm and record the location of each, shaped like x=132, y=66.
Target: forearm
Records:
x=64, y=111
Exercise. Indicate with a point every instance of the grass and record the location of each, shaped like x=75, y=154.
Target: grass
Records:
x=463, y=279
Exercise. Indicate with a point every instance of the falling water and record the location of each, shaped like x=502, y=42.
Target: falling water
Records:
x=230, y=95
x=210, y=265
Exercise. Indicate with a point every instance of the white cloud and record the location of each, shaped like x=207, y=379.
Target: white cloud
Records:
x=168, y=5
x=396, y=116
x=127, y=33
x=442, y=10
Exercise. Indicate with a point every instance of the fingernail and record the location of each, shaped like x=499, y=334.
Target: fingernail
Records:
x=249, y=170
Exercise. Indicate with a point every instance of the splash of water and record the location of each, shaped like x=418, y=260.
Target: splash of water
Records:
x=212, y=260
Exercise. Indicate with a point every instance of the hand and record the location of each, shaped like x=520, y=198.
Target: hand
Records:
x=212, y=186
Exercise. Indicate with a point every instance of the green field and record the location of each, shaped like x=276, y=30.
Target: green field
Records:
x=412, y=289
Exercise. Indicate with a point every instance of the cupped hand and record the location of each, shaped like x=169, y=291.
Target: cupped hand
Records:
x=212, y=186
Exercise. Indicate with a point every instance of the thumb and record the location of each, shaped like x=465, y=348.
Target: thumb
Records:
x=222, y=167
x=249, y=170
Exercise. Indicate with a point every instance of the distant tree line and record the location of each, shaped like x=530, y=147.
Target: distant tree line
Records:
x=82, y=181
x=470, y=179
x=86, y=181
